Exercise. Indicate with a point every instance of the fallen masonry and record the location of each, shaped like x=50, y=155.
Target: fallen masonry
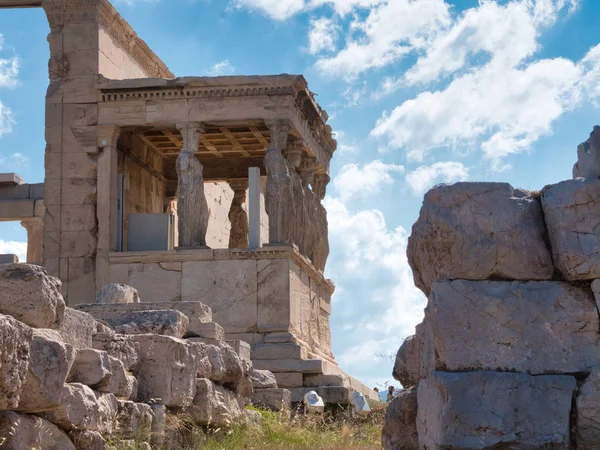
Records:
x=508, y=354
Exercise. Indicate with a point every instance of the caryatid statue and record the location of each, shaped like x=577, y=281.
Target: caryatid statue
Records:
x=238, y=218
x=192, y=208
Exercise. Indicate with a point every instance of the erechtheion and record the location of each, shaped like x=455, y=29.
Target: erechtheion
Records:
x=188, y=189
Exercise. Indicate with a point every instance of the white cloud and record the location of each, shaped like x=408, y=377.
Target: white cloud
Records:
x=277, y=9
x=354, y=180
x=6, y=119
x=498, y=99
x=322, y=36
x=369, y=260
x=392, y=29
x=221, y=68
x=425, y=177
x=14, y=248
x=9, y=69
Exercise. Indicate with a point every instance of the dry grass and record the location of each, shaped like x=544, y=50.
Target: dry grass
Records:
x=280, y=431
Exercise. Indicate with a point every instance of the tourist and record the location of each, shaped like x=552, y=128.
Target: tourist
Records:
x=390, y=394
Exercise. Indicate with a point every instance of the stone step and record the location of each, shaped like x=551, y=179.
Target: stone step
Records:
x=277, y=399
x=311, y=366
x=279, y=351
x=197, y=312
x=289, y=379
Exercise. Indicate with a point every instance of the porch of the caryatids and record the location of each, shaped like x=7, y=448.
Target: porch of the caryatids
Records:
x=192, y=208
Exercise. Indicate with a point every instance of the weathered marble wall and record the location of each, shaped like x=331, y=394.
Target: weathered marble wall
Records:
x=269, y=293
x=114, y=62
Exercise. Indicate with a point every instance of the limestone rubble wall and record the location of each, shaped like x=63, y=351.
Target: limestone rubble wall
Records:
x=70, y=381
x=508, y=354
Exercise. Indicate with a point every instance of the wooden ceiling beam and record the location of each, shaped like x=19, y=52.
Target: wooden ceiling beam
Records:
x=236, y=145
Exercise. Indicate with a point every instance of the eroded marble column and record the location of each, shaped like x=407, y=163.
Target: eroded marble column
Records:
x=35, y=239
x=293, y=153
x=192, y=208
x=238, y=218
x=278, y=181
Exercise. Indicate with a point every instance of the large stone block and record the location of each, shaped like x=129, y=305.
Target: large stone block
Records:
x=118, y=346
x=289, y=379
x=15, y=345
x=400, y=426
x=117, y=293
x=588, y=412
x=26, y=432
x=134, y=421
x=167, y=370
x=330, y=394
x=315, y=366
x=478, y=231
x=83, y=409
x=88, y=440
x=214, y=405
x=535, y=327
x=262, y=379
x=78, y=328
x=279, y=351
x=120, y=383
x=197, y=313
x=326, y=380
x=31, y=296
x=277, y=399
x=572, y=209
x=91, y=367
x=484, y=410
x=408, y=358
x=273, y=284
x=224, y=286
x=49, y=363
x=163, y=322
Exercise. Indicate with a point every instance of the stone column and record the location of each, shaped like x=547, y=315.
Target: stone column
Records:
x=278, y=181
x=321, y=249
x=192, y=208
x=307, y=167
x=106, y=201
x=35, y=239
x=238, y=237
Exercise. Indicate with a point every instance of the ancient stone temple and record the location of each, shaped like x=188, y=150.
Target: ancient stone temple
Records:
x=188, y=189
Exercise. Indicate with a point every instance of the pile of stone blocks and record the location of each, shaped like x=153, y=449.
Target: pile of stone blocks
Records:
x=508, y=354
x=74, y=380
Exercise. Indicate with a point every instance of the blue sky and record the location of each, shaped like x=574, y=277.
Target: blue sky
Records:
x=419, y=92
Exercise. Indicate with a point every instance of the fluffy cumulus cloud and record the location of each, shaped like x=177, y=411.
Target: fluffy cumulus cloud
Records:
x=14, y=248
x=354, y=180
x=424, y=177
x=493, y=93
x=378, y=298
x=322, y=35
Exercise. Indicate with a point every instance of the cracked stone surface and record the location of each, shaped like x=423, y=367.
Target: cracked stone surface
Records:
x=588, y=414
x=572, y=210
x=400, y=427
x=478, y=231
x=532, y=327
x=493, y=410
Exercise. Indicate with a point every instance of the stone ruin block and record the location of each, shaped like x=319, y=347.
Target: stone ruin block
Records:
x=572, y=211
x=31, y=296
x=117, y=293
x=588, y=412
x=479, y=231
x=197, y=313
x=588, y=157
x=134, y=421
x=214, y=405
x=484, y=410
x=16, y=339
x=91, y=367
x=277, y=399
x=50, y=361
x=400, y=427
x=167, y=370
x=119, y=346
x=25, y=432
x=78, y=328
x=262, y=379
x=535, y=327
